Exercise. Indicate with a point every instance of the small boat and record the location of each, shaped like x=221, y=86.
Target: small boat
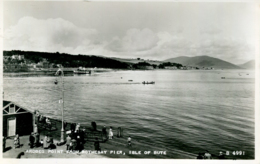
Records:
x=130, y=80
x=151, y=82
x=81, y=70
x=222, y=77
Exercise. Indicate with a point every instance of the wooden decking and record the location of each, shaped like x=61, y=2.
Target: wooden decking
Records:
x=116, y=144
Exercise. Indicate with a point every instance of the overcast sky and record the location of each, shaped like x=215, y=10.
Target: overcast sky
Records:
x=150, y=30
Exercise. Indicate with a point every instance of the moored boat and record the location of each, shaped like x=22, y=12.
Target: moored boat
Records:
x=81, y=70
x=151, y=82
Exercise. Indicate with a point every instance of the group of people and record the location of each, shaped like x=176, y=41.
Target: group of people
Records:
x=110, y=133
x=46, y=142
x=75, y=140
x=207, y=155
x=119, y=134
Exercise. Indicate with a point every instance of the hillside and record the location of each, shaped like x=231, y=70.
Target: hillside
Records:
x=248, y=65
x=68, y=60
x=203, y=61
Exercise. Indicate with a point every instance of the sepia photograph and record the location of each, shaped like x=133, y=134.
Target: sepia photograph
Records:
x=129, y=80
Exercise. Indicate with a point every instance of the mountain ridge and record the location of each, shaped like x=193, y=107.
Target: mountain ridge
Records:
x=203, y=61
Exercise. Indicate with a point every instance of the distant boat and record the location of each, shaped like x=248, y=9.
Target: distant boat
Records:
x=151, y=82
x=130, y=80
x=81, y=70
x=222, y=77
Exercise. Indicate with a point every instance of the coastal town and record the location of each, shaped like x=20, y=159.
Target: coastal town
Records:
x=19, y=63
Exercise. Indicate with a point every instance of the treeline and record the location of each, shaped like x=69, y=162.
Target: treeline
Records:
x=68, y=60
x=140, y=64
x=169, y=64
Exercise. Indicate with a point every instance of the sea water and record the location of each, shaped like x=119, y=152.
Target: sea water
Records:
x=185, y=110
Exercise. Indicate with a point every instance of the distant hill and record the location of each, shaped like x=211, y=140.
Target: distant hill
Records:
x=248, y=65
x=203, y=61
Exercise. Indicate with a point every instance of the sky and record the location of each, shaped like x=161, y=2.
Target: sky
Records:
x=149, y=30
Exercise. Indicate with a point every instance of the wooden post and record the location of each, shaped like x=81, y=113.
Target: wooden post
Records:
x=33, y=115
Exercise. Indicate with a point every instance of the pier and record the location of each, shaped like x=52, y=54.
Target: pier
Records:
x=115, y=148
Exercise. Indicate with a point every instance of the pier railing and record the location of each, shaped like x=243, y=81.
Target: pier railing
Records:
x=91, y=136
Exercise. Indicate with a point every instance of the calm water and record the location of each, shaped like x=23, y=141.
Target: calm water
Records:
x=187, y=111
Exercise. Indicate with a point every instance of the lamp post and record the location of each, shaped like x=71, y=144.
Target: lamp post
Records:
x=62, y=109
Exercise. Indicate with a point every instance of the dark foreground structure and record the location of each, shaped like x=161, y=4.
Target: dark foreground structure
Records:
x=16, y=120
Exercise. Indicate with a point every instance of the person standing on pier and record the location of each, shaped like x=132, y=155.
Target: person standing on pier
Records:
x=77, y=128
x=37, y=139
x=119, y=132
x=104, y=131
x=97, y=145
x=41, y=119
x=207, y=155
x=82, y=134
x=35, y=128
x=45, y=142
x=37, y=116
x=51, y=143
x=72, y=128
x=16, y=141
x=68, y=141
x=110, y=135
x=78, y=140
x=129, y=141
x=73, y=144
x=31, y=140
x=200, y=156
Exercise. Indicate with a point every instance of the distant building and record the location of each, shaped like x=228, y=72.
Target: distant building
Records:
x=171, y=67
x=18, y=57
x=39, y=65
x=51, y=65
x=6, y=58
x=45, y=64
x=15, y=67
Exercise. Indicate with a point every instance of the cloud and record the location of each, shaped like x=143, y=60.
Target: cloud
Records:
x=210, y=28
x=134, y=40
x=52, y=35
x=46, y=35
